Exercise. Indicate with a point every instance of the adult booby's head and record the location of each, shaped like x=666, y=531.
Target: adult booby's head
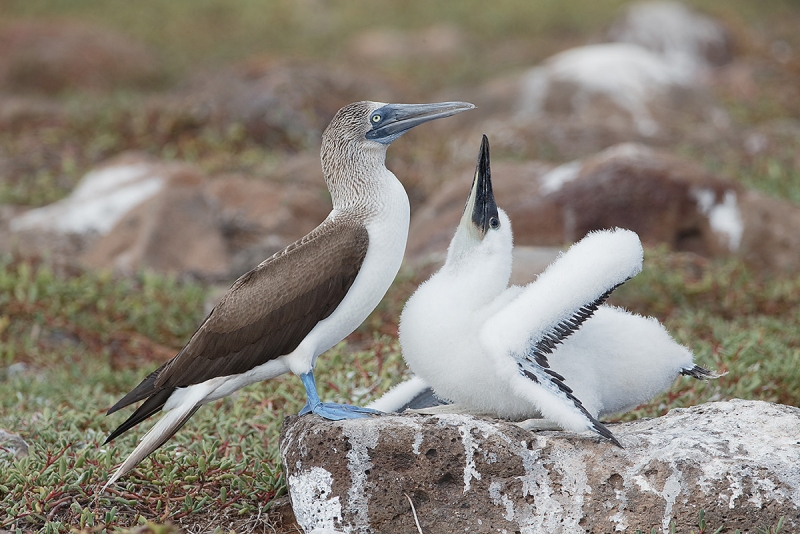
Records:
x=354, y=143
x=483, y=237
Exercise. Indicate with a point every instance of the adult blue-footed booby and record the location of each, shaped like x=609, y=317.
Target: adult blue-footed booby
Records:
x=294, y=306
x=549, y=349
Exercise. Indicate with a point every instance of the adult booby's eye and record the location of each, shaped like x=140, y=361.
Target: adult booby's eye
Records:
x=376, y=118
x=494, y=224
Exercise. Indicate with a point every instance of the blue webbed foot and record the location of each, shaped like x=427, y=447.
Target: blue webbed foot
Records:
x=330, y=410
x=336, y=412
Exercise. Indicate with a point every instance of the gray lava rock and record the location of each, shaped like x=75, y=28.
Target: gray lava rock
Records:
x=736, y=460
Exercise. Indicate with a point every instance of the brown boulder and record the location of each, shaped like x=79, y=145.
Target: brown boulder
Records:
x=269, y=207
x=131, y=213
x=173, y=231
x=661, y=54
x=569, y=107
x=137, y=212
x=736, y=460
x=51, y=56
x=661, y=197
x=259, y=218
x=66, y=227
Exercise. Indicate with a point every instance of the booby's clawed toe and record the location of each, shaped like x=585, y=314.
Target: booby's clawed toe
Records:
x=330, y=410
x=336, y=412
x=701, y=373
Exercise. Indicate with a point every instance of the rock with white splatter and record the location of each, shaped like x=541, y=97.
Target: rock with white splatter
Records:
x=133, y=212
x=576, y=83
x=136, y=212
x=736, y=460
x=101, y=199
x=663, y=198
x=571, y=102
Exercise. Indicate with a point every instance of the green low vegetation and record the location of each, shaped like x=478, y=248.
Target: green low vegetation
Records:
x=75, y=342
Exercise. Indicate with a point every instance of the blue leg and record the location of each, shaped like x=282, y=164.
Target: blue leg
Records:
x=329, y=410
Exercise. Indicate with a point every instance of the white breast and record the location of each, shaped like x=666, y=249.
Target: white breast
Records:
x=388, y=233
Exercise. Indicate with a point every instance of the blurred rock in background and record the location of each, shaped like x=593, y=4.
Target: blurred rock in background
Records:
x=65, y=55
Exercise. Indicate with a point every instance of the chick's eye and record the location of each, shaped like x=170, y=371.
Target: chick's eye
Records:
x=494, y=223
x=376, y=118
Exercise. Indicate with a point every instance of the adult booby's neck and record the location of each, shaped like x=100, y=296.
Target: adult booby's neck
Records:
x=358, y=179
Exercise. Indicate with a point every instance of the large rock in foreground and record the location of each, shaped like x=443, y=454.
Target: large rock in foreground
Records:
x=737, y=460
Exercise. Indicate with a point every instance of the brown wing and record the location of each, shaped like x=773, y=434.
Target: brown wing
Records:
x=268, y=311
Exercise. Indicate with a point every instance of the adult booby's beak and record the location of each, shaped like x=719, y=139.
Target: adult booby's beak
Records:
x=480, y=213
x=393, y=120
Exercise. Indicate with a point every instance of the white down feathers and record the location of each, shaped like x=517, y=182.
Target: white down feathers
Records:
x=464, y=332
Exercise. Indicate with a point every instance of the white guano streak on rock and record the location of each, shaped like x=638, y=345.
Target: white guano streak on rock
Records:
x=670, y=446
x=565, y=510
x=575, y=484
x=309, y=492
x=672, y=488
x=543, y=515
x=556, y=178
x=417, y=442
x=551, y=513
x=724, y=217
x=780, y=458
x=470, y=447
x=101, y=199
x=619, y=519
x=361, y=439
x=465, y=425
x=499, y=499
x=670, y=491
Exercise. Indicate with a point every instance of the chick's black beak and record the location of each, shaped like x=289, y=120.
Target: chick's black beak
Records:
x=481, y=209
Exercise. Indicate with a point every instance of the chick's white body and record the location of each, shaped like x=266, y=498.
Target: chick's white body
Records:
x=618, y=360
x=440, y=325
x=463, y=331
